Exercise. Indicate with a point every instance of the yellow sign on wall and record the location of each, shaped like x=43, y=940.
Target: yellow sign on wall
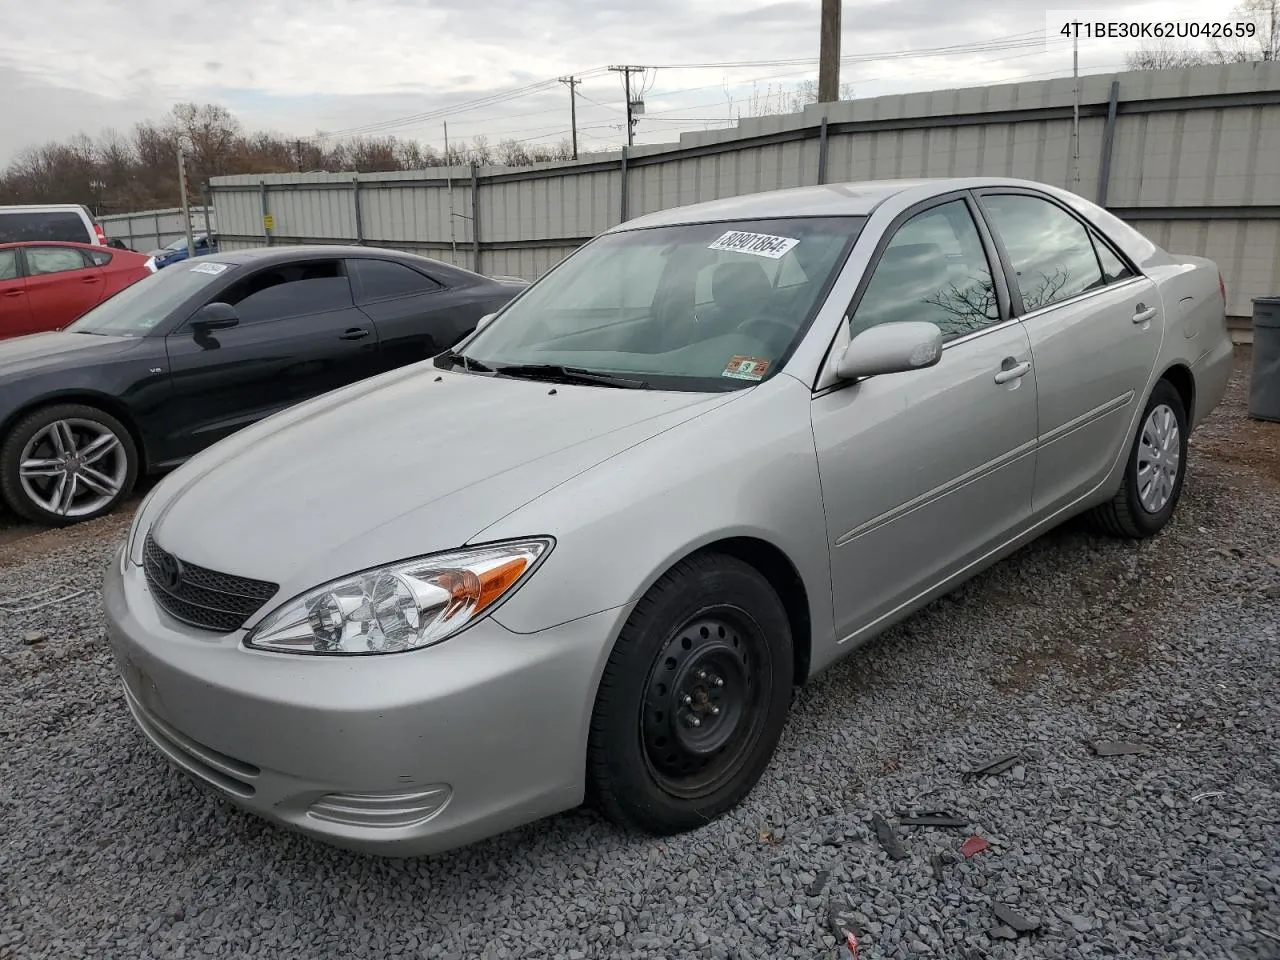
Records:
x=268, y=222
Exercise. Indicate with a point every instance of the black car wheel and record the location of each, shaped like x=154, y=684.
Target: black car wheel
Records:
x=1153, y=477
x=67, y=463
x=693, y=698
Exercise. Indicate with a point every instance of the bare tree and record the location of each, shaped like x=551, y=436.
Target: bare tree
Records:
x=1264, y=15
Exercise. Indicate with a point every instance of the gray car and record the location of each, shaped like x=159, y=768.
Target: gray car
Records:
x=590, y=551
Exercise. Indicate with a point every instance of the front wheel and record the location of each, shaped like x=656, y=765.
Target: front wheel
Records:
x=66, y=464
x=693, y=698
x=1153, y=477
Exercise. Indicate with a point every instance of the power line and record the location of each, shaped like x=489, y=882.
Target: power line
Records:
x=626, y=83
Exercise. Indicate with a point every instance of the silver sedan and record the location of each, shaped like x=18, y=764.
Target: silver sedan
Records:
x=589, y=553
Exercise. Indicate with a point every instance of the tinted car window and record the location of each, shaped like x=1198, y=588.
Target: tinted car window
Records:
x=59, y=226
x=382, y=280
x=100, y=257
x=8, y=264
x=934, y=269
x=45, y=260
x=1051, y=250
x=1113, y=268
x=141, y=306
x=292, y=290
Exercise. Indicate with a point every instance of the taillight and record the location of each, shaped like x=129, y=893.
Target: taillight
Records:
x=102, y=237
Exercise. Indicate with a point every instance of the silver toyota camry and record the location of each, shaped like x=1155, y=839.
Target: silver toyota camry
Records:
x=589, y=552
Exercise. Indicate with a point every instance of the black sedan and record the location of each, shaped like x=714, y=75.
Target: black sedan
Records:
x=189, y=355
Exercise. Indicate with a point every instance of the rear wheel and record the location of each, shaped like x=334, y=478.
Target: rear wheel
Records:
x=693, y=698
x=1157, y=466
x=67, y=463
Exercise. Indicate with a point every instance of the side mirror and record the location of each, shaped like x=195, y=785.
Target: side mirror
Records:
x=891, y=348
x=485, y=320
x=215, y=316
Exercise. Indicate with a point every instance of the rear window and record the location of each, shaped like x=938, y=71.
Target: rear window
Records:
x=63, y=226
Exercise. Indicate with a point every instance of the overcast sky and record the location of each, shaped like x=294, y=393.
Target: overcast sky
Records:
x=303, y=66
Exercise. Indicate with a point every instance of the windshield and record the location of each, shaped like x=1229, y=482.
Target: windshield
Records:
x=704, y=306
x=181, y=243
x=140, y=306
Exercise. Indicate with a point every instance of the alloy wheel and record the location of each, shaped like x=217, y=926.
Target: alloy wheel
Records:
x=73, y=467
x=1159, y=459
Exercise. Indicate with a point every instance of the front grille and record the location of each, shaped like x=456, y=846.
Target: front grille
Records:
x=203, y=598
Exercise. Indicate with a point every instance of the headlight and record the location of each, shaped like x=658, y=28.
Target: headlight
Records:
x=400, y=607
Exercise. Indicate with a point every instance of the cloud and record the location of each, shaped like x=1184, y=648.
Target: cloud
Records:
x=299, y=66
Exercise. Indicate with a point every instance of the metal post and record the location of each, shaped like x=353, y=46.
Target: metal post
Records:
x=822, y=151
x=186, y=204
x=1075, y=114
x=156, y=219
x=355, y=203
x=1108, y=141
x=475, y=218
x=624, y=184
x=262, y=193
x=448, y=172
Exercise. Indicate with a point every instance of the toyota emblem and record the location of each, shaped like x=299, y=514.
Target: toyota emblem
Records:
x=170, y=571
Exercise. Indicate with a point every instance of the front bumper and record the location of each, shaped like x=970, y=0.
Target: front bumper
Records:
x=399, y=755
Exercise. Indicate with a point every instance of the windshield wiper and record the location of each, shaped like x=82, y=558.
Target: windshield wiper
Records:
x=456, y=359
x=560, y=374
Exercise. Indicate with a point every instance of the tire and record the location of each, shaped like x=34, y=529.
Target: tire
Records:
x=1126, y=515
x=649, y=768
x=102, y=476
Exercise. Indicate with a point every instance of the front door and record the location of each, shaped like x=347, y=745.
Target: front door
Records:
x=1095, y=326
x=926, y=472
x=15, y=313
x=299, y=335
x=62, y=285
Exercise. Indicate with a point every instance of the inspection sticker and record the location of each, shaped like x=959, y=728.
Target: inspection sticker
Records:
x=746, y=368
x=756, y=244
x=207, y=267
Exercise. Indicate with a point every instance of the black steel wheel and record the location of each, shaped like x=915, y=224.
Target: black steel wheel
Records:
x=693, y=698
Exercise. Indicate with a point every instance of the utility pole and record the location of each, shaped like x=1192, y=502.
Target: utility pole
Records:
x=829, y=53
x=297, y=155
x=186, y=204
x=448, y=172
x=626, y=82
x=573, y=111
x=1075, y=114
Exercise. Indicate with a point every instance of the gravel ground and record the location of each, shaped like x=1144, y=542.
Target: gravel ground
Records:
x=1173, y=853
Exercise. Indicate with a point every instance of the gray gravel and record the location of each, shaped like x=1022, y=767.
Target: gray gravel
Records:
x=1172, y=644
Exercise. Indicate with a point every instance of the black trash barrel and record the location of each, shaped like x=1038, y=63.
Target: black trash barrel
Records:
x=1264, y=380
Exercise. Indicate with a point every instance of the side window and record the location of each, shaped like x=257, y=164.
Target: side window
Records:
x=100, y=258
x=291, y=290
x=45, y=260
x=8, y=264
x=1050, y=250
x=385, y=280
x=934, y=269
x=1113, y=268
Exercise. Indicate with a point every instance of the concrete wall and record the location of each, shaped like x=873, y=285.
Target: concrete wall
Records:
x=1194, y=162
x=148, y=230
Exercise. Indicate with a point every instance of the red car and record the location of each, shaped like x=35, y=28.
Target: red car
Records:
x=45, y=285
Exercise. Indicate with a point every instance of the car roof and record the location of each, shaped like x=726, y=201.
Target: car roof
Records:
x=265, y=256
x=56, y=243
x=45, y=208
x=850, y=199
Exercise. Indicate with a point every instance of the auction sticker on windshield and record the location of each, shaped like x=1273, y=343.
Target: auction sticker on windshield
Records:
x=756, y=244
x=746, y=368
x=213, y=268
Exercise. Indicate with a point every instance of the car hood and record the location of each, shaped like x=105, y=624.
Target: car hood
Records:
x=405, y=464
x=39, y=352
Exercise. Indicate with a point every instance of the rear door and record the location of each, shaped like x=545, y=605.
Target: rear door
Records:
x=417, y=315
x=62, y=285
x=15, y=313
x=1095, y=325
x=300, y=335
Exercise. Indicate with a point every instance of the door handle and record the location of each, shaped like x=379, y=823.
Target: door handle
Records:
x=90, y=279
x=1144, y=313
x=1015, y=372
x=15, y=293
x=355, y=333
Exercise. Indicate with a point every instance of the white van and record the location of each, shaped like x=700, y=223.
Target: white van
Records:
x=61, y=222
